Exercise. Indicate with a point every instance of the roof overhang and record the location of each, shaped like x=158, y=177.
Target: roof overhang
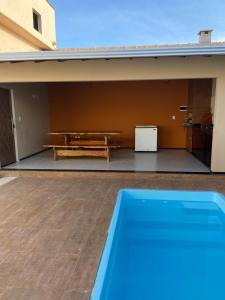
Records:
x=41, y=56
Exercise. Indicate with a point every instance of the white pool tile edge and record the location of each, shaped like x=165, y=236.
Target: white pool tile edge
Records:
x=5, y=180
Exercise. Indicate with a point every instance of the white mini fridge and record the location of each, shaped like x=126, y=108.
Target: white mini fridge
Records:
x=146, y=138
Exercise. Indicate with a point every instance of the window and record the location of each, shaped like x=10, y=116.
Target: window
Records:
x=36, y=21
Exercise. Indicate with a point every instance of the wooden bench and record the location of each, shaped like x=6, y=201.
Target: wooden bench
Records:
x=81, y=151
x=87, y=142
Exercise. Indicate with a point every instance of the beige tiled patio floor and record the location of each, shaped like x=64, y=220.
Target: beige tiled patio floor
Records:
x=53, y=227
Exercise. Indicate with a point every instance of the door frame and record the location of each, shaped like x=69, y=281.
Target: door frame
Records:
x=12, y=98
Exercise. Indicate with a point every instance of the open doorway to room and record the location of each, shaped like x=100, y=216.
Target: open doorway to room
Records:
x=201, y=100
x=117, y=106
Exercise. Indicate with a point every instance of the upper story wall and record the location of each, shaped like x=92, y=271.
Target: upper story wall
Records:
x=12, y=42
x=16, y=17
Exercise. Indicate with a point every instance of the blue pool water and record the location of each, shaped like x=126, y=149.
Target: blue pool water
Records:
x=164, y=245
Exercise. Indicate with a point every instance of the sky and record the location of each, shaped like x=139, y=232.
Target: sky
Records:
x=93, y=23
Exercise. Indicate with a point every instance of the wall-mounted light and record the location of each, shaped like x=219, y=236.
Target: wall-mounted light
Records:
x=183, y=107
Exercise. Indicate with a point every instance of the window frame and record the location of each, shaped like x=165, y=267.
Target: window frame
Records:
x=38, y=21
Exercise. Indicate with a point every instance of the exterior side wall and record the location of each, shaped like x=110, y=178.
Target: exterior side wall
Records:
x=218, y=150
x=136, y=69
x=17, y=16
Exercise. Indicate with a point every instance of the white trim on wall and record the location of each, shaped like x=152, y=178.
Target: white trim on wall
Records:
x=14, y=123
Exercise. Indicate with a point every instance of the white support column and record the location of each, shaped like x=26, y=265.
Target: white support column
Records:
x=218, y=146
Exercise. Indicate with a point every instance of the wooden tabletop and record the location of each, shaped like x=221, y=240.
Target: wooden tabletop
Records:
x=99, y=133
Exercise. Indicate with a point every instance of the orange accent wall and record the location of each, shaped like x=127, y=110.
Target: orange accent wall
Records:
x=119, y=106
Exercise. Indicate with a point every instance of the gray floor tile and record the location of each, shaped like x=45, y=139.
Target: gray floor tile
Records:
x=168, y=160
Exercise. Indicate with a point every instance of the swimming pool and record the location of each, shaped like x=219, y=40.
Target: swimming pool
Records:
x=164, y=245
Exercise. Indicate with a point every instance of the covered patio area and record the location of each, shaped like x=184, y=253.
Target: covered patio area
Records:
x=82, y=119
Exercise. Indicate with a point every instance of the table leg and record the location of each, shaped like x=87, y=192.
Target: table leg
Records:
x=66, y=139
x=55, y=154
x=108, y=154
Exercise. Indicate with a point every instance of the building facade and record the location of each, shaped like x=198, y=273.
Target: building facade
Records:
x=27, y=25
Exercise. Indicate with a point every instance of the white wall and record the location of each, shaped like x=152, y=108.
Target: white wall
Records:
x=31, y=117
x=218, y=145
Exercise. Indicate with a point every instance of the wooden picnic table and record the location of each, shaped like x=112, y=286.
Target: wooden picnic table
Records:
x=106, y=135
x=85, y=143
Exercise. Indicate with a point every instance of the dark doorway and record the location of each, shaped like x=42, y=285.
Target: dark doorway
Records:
x=199, y=119
x=7, y=145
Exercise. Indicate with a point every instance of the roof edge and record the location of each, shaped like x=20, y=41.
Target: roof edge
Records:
x=112, y=54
